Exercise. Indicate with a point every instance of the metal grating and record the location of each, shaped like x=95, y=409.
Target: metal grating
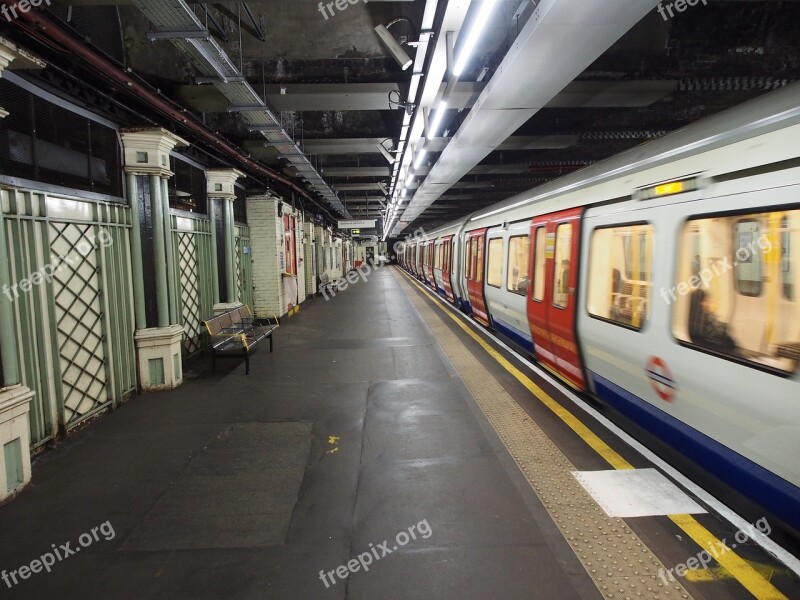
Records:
x=79, y=321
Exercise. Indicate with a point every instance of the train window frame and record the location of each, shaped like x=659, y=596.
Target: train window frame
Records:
x=752, y=210
x=559, y=225
x=787, y=270
x=739, y=263
x=480, y=259
x=489, y=242
x=467, y=258
x=640, y=223
x=543, y=276
x=508, y=262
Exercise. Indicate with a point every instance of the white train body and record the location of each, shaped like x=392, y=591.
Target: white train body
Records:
x=666, y=282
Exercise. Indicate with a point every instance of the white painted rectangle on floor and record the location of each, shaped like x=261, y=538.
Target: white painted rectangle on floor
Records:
x=636, y=493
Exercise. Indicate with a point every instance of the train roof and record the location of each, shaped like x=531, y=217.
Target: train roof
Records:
x=767, y=113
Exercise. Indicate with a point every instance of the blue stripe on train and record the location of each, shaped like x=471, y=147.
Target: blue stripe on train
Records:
x=514, y=334
x=751, y=479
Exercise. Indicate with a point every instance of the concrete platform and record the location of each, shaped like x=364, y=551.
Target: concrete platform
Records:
x=357, y=429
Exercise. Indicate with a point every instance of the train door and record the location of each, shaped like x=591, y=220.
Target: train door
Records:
x=430, y=253
x=420, y=258
x=552, y=303
x=476, y=245
x=444, y=272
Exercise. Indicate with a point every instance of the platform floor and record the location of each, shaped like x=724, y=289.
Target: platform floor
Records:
x=369, y=418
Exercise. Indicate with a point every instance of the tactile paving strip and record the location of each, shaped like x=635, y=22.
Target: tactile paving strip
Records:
x=618, y=562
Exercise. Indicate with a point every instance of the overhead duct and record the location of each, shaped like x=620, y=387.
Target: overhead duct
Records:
x=175, y=21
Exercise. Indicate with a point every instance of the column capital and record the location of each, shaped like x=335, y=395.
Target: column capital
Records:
x=147, y=150
x=220, y=182
x=9, y=52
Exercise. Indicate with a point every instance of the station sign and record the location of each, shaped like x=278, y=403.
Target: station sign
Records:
x=357, y=224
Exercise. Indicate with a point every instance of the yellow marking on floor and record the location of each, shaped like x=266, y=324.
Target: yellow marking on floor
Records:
x=746, y=575
x=332, y=450
x=717, y=573
x=332, y=439
x=753, y=581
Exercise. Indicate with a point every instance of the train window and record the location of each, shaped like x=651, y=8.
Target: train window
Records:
x=748, y=270
x=786, y=259
x=468, y=260
x=731, y=297
x=494, y=268
x=479, y=259
x=619, y=274
x=518, y=253
x=562, y=265
x=539, y=263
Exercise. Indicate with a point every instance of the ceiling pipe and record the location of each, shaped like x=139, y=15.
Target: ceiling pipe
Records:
x=54, y=33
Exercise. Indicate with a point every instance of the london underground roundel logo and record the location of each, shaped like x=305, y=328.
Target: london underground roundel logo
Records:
x=660, y=378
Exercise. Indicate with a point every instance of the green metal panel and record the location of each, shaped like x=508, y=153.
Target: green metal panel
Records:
x=244, y=266
x=74, y=323
x=155, y=367
x=194, y=254
x=12, y=452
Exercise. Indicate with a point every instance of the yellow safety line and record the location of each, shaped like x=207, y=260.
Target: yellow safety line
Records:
x=751, y=579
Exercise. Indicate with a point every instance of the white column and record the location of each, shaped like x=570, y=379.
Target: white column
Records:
x=15, y=398
x=158, y=339
x=220, y=186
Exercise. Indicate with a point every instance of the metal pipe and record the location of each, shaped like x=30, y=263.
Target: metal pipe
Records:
x=170, y=248
x=8, y=339
x=137, y=268
x=230, y=262
x=159, y=257
x=212, y=216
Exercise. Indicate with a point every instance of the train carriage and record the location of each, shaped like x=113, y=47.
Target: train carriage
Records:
x=664, y=281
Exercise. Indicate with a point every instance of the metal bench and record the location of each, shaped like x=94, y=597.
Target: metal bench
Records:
x=234, y=334
x=325, y=284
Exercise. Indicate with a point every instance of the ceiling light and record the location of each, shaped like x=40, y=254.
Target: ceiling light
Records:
x=472, y=39
x=393, y=47
x=421, y=157
x=437, y=120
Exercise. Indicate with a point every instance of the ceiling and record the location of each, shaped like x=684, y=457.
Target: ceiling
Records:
x=550, y=87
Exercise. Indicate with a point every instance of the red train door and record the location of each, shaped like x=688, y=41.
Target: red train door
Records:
x=476, y=249
x=552, y=299
x=447, y=259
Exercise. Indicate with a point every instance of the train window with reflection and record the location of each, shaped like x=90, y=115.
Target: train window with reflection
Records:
x=479, y=242
x=731, y=297
x=494, y=268
x=468, y=260
x=539, y=263
x=518, y=254
x=786, y=259
x=562, y=265
x=619, y=274
x=748, y=269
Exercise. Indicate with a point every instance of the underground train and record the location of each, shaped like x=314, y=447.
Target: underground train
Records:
x=664, y=282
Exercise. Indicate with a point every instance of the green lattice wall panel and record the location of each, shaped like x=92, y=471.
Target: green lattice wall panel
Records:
x=193, y=252
x=73, y=313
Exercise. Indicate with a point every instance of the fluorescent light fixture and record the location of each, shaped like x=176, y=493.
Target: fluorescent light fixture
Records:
x=472, y=39
x=420, y=157
x=393, y=47
x=437, y=120
x=386, y=154
x=409, y=179
x=414, y=87
x=405, y=191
